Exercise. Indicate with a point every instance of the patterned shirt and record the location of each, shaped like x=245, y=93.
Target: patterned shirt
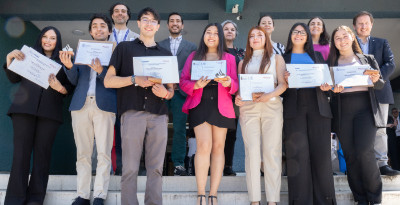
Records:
x=174, y=44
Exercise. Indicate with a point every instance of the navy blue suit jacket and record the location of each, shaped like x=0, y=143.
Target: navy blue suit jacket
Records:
x=384, y=56
x=79, y=75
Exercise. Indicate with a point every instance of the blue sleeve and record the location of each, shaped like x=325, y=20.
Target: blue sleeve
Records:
x=72, y=74
x=388, y=66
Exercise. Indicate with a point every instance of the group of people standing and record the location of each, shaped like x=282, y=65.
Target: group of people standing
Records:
x=106, y=96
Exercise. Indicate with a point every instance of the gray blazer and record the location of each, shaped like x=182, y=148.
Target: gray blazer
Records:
x=79, y=75
x=184, y=50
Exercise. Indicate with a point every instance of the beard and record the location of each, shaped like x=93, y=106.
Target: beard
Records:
x=175, y=32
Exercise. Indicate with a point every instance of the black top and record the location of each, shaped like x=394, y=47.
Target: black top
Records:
x=375, y=106
x=290, y=95
x=238, y=53
x=135, y=97
x=35, y=100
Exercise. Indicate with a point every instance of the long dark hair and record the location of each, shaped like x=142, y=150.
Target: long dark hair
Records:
x=268, y=51
x=203, y=49
x=324, y=36
x=334, y=52
x=38, y=45
x=308, y=46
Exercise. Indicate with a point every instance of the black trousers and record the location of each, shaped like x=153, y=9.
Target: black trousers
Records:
x=357, y=136
x=230, y=145
x=37, y=134
x=308, y=153
x=393, y=149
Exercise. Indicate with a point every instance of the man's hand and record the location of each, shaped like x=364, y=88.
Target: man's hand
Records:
x=143, y=82
x=66, y=59
x=96, y=65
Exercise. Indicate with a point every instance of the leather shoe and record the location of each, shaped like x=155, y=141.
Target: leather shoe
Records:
x=81, y=201
x=386, y=170
x=98, y=201
x=362, y=203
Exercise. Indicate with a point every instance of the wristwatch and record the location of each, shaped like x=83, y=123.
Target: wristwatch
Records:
x=133, y=79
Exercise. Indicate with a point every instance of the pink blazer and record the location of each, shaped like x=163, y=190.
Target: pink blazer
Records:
x=193, y=98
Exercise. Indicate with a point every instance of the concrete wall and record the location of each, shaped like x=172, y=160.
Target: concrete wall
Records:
x=64, y=152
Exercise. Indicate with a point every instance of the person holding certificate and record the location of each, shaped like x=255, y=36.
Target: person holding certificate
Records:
x=93, y=109
x=307, y=128
x=262, y=118
x=320, y=36
x=142, y=110
x=36, y=114
x=356, y=116
x=210, y=108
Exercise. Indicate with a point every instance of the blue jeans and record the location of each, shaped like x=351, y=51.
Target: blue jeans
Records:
x=179, y=121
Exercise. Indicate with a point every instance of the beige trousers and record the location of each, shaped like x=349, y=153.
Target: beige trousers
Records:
x=87, y=123
x=263, y=120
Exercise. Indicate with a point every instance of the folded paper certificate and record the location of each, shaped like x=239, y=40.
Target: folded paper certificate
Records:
x=35, y=67
x=255, y=83
x=89, y=50
x=349, y=76
x=210, y=69
x=164, y=67
x=308, y=75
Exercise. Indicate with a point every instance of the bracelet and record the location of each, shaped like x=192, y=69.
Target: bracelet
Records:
x=61, y=89
x=166, y=95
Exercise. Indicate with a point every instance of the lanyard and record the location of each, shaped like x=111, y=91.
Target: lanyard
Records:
x=116, y=39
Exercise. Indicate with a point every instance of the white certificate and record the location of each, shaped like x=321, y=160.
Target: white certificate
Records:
x=210, y=69
x=308, y=75
x=89, y=50
x=254, y=83
x=164, y=67
x=349, y=76
x=35, y=67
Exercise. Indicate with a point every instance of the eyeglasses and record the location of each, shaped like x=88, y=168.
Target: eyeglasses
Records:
x=295, y=32
x=148, y=21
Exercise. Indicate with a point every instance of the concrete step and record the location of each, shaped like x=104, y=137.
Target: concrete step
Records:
x=186, y=198
x=188, y=183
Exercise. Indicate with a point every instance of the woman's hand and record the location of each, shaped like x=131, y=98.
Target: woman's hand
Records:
x=159, y=90
x=226, y=83
x=66, y=59
x=17, y=54
x=338, y=88
x=264, y=98
x=374, y=77
x=325, y=87
x=201, y=83
x=238, y=100
x=54, y=83
x=287, y=74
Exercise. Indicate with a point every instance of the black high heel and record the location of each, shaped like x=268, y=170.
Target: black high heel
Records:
x=201, y=198
x=212, y=197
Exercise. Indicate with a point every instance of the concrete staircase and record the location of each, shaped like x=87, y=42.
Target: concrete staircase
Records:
x=182, y=190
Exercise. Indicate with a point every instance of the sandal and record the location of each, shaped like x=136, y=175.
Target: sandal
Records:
x=212, y=197
x=201, y=198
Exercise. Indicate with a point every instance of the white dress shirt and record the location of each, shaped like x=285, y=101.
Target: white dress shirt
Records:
x=92, y=83
x=120, y=35
x=174, y=44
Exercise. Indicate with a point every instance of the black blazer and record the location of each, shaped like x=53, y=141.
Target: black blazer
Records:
x=380, y=121
x=35, y=100
x=380, y=49
x=290, y=95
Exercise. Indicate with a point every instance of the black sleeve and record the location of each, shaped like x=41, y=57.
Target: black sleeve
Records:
x=12, y=76
x=378, y=85
x=116, y=58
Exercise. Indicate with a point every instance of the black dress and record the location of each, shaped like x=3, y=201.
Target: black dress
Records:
x=207, y=110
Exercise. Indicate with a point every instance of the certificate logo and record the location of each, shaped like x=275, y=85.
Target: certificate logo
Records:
x=85, y=45
x=106, y=46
